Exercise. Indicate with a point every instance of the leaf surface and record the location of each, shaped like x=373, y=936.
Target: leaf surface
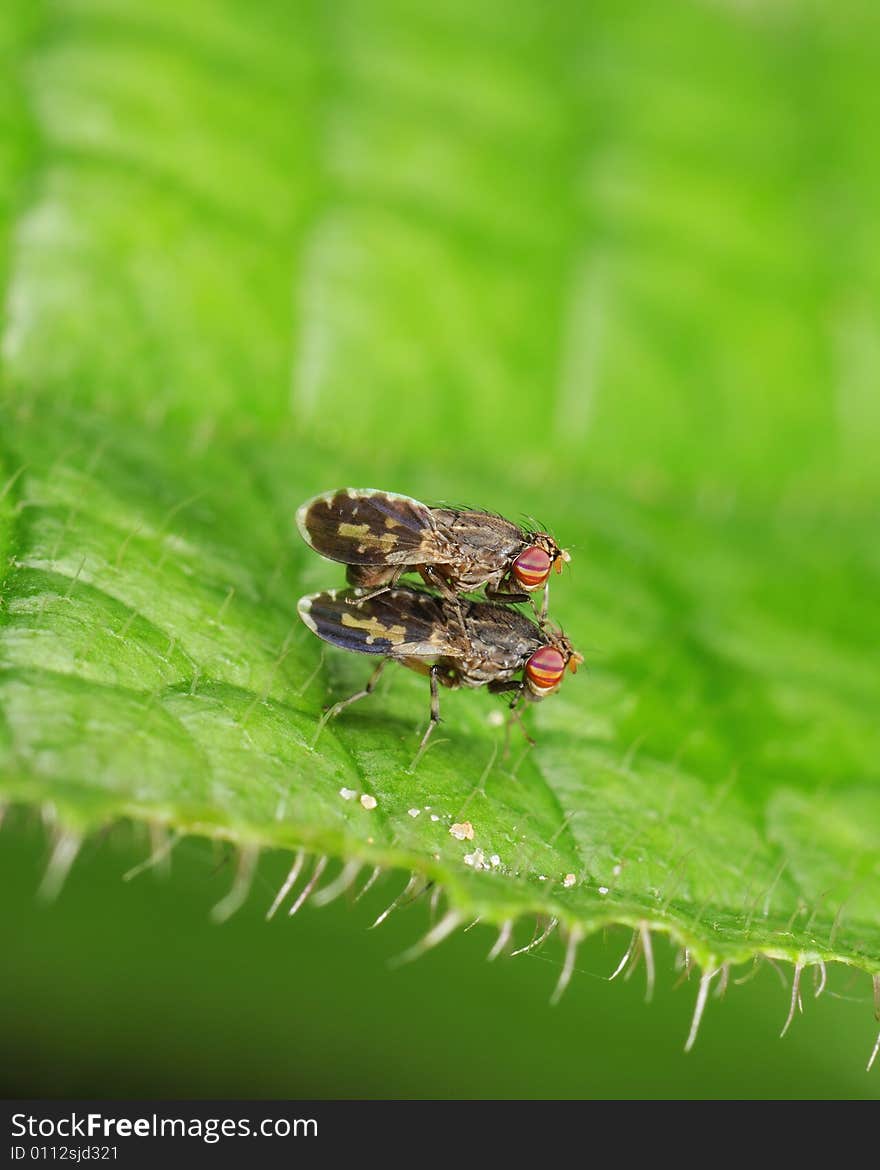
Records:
x=577, y=266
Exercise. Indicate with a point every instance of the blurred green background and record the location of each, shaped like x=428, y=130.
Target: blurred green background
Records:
x=625, y=244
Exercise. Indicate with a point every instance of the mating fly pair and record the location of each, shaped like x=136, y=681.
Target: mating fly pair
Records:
x=455, y=641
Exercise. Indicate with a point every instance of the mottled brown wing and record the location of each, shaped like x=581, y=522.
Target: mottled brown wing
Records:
x=402, y=623
x=368, y=527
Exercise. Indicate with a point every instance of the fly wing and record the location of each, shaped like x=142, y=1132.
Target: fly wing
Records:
x=402, y=623
x=368, y=527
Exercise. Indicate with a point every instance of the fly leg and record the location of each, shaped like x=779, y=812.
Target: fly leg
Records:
x=434, y=675
x=439, y=582
x=508, y=597
x=516, y=717
x=508, y=593
x=541, y=614
x=337, y=708
x=362, y=597
x=498, y=687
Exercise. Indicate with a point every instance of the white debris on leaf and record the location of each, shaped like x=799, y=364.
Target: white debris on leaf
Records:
x=494, y=860
x=462, y=832
x=368, y=802
x=603, y=890
x=476, y=860
x=414, y=812
x=569, y=880
x=434, y=817
x=618, y=870
x=348, y=793
x=495, y=718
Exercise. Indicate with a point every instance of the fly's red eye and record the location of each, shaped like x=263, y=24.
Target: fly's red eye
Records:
x=532, y=567
x=545, y=668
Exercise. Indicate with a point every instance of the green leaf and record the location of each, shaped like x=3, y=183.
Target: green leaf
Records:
x=572, y=265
